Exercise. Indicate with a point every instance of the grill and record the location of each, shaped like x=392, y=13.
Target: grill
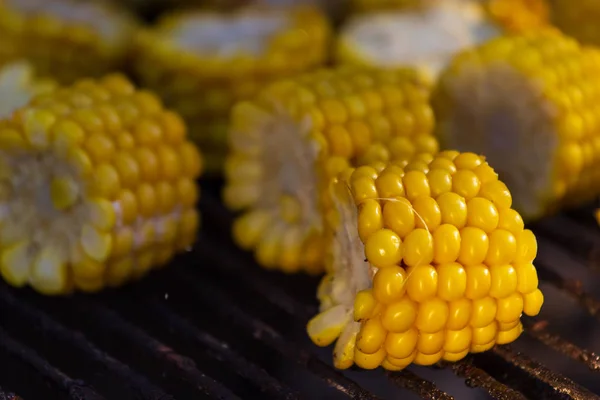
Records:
x=214, y=325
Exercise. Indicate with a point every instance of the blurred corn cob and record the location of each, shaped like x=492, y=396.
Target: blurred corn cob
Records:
x=65, y=39
x=428, y=262
x=296, y=134
x=97, y=187
x=517, y=16
x=529, y=104
x=424, y=37
x=18, y=86
x=577, y=18
x=202, y=62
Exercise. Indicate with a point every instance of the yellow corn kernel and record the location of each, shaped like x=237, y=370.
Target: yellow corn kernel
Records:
x=416, y=295
x=519, y=15
x=203, y=62
x=377, y=38
x=547, y=155
x=73, y=223
x=66, y=39
x=288, y=141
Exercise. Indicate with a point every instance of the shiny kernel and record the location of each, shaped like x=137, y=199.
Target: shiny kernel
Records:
x=427, y=359
x=459, y=314
x=510, y=220
x=440, y=182
x=454, y=357
x=497, y=193
x=401, y=363
x=422, y=283
x=526, y=247
x=100, y=147
x=486, y=174
x=480, y=348
x=482, y=214
x=452, y=281
x=503, y=281
x=527, y=279
x=467, y=161
x=363, y=188
x=479, y=281
x=474, y=246
x=389, y=185
x=431, y=343
x=446, y=244
x=503, y=248
x=399, y=316
x=398, y=215
x=483, y=312
x=389, y=284
x=384, y=248
x=364, y=305
x=505, y=337
x=403, y=344
x=418, y=248
x=457, y=341
x=443, y=164
x=416, y=184
x=453, y=209
x=465, y=183
x=484, y=334
x=106, y=181
x=369, y=361
x=371, y=336
x=427, y=213
x=532, y=303
x=432, y=315
x=509, y=308
x=370, y=218
x=128, y=169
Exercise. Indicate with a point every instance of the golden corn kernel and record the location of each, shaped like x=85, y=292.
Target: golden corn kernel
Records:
x=79, y=214
x=204, y=62
x=417, y=295
x=66, y=39
x=295, y=135
x=551, y=72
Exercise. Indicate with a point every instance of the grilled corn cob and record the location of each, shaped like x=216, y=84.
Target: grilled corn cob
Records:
x=428, y=262
x=97, y=187
x=528, y=103
x=387, y=39
x=18, y=86
x=202, y=62
x=296, y=134
x=577, y=18
x=64, y=39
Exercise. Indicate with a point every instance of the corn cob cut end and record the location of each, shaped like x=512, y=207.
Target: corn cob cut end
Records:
x=18, y=86
x=428, y=263
x=548, y=148
x=442, y=29
x=97, y=187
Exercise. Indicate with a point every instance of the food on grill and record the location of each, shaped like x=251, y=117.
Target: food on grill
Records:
x=426, y=37
x=428, y=262
x=577, y=18
x=65, y=39
x=97, y=187
x=519, y=15
x=287, y=142
x=18, y=86
x=202, y=62
x=529, y=104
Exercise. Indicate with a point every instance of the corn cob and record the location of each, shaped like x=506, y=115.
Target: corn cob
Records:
x=387, y=39
x=577, y=18
x=64, y=39
x=17, y=87
x=202, y=62
x=97, y=188
x=367, y=6
x=428, y=262
x=295, y=134
x=536, y=92
x=517, y=16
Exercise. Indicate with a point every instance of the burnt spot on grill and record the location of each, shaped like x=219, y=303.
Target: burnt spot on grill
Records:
x=215, y=326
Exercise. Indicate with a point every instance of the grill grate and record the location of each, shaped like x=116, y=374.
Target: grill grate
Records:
x=216, y=326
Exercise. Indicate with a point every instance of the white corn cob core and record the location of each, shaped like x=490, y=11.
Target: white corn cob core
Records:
x=229, y=35
x=425, y=38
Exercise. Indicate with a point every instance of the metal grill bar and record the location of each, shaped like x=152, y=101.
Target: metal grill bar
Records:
x=476, y=377
x=422, y=387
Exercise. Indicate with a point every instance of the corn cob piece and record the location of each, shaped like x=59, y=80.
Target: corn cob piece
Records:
x=97, y=188
x=296, y=134
x=367, y=6
x=527, y=103
x=387, y=39
x=201, y=63
x=65, y=39
x=577, y=18
x=517, y=16
x=428, y=262
x=18, y=86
